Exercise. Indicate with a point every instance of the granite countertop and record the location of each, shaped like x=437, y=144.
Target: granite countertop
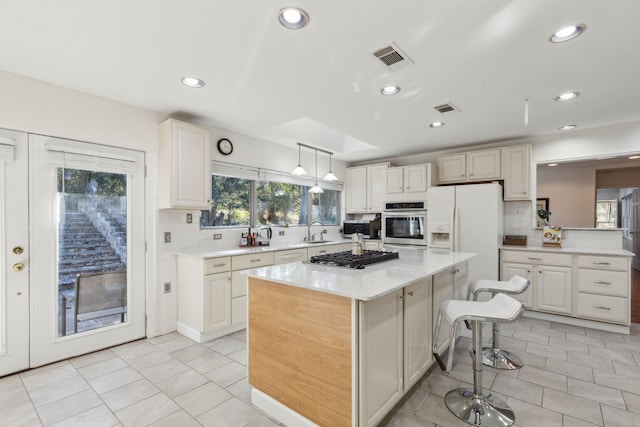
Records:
x=569, y=250
x=201, y=251
x=369, y=283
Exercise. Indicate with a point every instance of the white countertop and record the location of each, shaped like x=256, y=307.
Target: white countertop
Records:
x=369, y=283
x=202, y=251
x=568, y=250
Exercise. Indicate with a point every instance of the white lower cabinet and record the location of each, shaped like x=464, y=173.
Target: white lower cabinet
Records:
x=290, y=255
x=590, y=287
x=395, y=348
x=449, y=284
x=217, y=298
x=372, y=245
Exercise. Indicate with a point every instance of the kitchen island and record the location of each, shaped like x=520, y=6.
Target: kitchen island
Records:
x=339, y=346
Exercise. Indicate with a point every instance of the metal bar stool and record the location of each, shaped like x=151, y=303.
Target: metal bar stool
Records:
x=473, y=406
x=494, y=356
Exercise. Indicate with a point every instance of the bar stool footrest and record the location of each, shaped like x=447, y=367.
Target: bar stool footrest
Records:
x=500, y=359
x=486, y=410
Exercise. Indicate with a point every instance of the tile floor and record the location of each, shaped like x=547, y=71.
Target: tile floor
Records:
x=574, y=377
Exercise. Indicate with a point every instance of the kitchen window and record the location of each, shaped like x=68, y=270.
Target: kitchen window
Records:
x=243, y=197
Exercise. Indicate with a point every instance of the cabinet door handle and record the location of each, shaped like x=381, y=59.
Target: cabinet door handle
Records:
x=602, y=307
x=222, y=264
x=535, y=259
x=410, y=293
x=600, y=282
x=601, y=263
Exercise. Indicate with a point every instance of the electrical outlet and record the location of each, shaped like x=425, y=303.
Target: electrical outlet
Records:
x=189, y=218
x=324, y=231
x=167, y=287
x=217, y=236
x=167, y=237
x=281, y=233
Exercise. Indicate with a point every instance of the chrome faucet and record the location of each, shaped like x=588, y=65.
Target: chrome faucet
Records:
x=308, y=238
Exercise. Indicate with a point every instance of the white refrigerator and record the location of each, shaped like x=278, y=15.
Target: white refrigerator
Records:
x=468, y=218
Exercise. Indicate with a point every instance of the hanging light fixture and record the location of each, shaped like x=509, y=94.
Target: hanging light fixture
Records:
x=299, y=170
x=330, y=176
x=316, y=188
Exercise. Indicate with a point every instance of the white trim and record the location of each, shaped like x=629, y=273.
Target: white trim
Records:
x=593, y=324
x=276, y=410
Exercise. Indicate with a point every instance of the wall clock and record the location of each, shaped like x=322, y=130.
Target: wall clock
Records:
x=225, y=147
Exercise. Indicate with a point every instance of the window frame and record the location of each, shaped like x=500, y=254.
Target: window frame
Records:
x=255, y=175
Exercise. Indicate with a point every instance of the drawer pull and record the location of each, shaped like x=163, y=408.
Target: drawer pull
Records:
x=535, y=259
x=600, y=282
x=601, y=263
x=602, y=307
x=222, y=264
x=256, y=260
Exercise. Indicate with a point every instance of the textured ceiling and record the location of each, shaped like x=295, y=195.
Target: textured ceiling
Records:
x=320, y=85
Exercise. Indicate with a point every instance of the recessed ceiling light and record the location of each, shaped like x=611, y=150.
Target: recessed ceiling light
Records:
x=293, y=18
x=634, y=157
x=568, y=33
x=567, y=96
x=192, y=82
x=436, y=125
x=568, y=127
x=390, y=90
x=552, y=165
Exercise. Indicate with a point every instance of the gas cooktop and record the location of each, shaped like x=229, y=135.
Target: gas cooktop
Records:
x=347, y=259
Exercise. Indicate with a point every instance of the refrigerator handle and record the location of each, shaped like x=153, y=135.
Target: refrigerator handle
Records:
x=455, y=221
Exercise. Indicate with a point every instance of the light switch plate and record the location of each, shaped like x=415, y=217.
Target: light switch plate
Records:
x=167, y=237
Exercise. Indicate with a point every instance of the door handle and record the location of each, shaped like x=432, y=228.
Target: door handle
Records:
x=18, y=266
x=18, y=250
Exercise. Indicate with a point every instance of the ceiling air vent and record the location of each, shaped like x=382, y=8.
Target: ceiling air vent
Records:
x=445, y=108
x=391, y=57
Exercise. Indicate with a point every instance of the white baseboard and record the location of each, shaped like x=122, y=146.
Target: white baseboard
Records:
x=278, y=411
x=593, y=324
x=200, y=337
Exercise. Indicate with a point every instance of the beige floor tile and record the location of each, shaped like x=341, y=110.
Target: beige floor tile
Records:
x=91, y=358
x=613, y=355
x=129, y=394
x=228, y=374
x=149, y=359
x=192, y=352
x=621, y=382
x=147, y=411
x=164, y=338
x=518, y=389
x=103, y=367
x=18, y=413
x=541, y=330
x=41, y=377
x=12, y=392
x=590, y=361
x=67, y=387
x=622, y=346
x=232, y=413
x=568, y=328
x=627, y=369
x=438, y=383
x=632, y=401
x=543, y=377
x=182, y=383
x=203, y=398
x=570, y=369
x=529, y=415
x=68, y=407
x=99, y=416
x=532, y=359
x=114, y=380
x=577, y=407
x=584, y=339
x=209, y=362
x=412, y=401
x=531, y=337
x=524, y=320
x=546, y=351
x=177, y=343
x=177, y=419
x=619, y=418
x=576, y=346
x=164, y=370
x=227, y=345
x=434, y=410
x=596, y=392
x=568, y=421
x=134, y=349
x=241, y=390
x=239, y=356
x=403, y=419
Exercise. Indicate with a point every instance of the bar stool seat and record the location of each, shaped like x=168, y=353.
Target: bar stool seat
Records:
x=471, y=405
x=494, y=356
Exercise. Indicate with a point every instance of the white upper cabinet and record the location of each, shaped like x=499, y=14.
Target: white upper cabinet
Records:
x=517, y=172
x=408, y=179
x=184, y=158
x=452, y=168
x=364, y=188
x=483, y=165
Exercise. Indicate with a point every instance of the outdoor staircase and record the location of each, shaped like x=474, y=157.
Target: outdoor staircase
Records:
x=83, y=249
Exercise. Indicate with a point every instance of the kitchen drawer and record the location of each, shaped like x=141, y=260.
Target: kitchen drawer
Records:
x=254, y=260
x=291, y=255
x=217, y=265
x=615, y=283
x=603, y=262
x=609, y=309
x=537, y=258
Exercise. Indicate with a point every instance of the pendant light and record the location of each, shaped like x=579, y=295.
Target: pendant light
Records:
x=299, y=170
x=316, y=188
x=330, y=176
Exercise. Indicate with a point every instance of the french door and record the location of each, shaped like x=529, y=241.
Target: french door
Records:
x=77, y=284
